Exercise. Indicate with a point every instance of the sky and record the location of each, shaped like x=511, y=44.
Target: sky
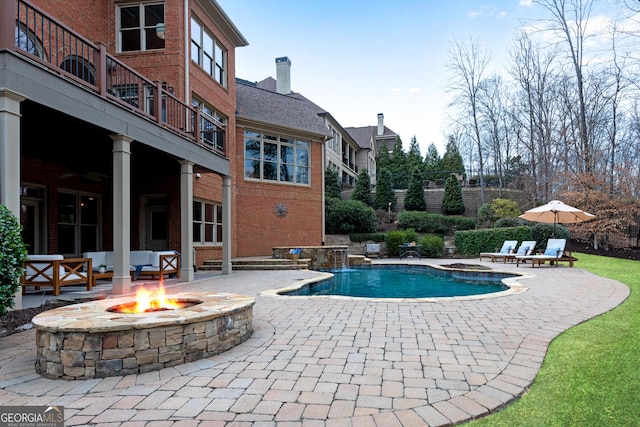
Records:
x=358, y=58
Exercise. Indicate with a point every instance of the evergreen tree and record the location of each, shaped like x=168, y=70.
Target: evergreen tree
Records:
x=452, y=202
x=332, y=186
x=415, y=193
x=414, y=158
x=362, y=191
x=383, y=160
x=398, y=166
x=433, y=164
x=384, y=190
x=452, y=160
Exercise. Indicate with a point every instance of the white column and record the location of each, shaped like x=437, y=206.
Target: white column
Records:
x=10, y=158
x=186, y=221
x=226, y=225
x=121, y=282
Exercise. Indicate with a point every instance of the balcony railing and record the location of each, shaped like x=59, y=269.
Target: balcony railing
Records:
x=35, y=34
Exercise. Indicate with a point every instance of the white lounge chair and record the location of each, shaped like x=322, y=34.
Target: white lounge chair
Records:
x=508, y=247
x=525, y=248
x=553, y=253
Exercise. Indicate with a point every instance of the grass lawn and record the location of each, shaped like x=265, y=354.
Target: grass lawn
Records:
x=591, y=374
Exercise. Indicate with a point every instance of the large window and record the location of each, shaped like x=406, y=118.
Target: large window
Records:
x=212, y=125
x=141, y=27
x=207, y=223
x=207, y=52
x=278, y=158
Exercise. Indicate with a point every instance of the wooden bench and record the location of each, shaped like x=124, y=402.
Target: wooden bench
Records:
x=55, y=271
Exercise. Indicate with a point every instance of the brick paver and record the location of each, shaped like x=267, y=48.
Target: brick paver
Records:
x=337, y=361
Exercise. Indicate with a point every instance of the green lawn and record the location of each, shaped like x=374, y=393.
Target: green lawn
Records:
x=591, y=374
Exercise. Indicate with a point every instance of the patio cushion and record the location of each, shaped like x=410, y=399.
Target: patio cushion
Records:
x=552, y=252
x=505, y=249
x=522, y=250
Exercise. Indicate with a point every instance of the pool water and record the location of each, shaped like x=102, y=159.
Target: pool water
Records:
x=402, y=281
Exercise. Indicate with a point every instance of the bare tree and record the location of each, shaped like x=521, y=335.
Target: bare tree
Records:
x=468, y=64
x=570, y=19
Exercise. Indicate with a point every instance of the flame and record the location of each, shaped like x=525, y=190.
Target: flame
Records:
x=153, y=300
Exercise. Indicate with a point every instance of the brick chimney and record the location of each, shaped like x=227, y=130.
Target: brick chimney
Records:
x=380, y=124
x=283, y=75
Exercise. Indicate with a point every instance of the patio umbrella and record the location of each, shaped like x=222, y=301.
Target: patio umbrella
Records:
x=556, y=212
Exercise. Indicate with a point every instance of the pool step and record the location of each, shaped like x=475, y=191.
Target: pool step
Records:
x=258, y=264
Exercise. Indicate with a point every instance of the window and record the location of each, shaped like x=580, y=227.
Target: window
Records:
x=207, y=52
x=212, y=125
x=27, y=41
x=207, y=223
x=276, y=158
x=141, y=27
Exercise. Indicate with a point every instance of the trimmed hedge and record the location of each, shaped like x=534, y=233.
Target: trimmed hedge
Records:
x=349, y=216
x=366, y=237
x=424, y=222
x=472, y=242
x=432, y=246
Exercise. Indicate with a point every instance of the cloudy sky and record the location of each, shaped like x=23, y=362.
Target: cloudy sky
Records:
x=358, y=58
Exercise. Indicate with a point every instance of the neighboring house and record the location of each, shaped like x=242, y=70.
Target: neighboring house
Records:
x=278, y=178
x=343, y=153
x=118, y=127
x=369, y=139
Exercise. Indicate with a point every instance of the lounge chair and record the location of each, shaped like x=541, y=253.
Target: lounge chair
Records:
x=554, y=253
x=508, y=247
x=525, y=248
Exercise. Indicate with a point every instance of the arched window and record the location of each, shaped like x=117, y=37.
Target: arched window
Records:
x=79, y=67
x=27, y=41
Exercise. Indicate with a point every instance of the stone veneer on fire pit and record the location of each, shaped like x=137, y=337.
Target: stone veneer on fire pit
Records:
x=85, y=341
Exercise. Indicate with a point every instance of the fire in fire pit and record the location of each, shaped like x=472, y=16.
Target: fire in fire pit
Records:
x=147, y=301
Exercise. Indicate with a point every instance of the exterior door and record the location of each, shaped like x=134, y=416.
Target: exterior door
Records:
x=32, y=230
x=156, y=228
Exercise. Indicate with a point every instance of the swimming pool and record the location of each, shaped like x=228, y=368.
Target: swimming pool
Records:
x=403, y=281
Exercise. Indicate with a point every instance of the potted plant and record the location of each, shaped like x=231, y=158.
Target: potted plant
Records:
x=102, y=268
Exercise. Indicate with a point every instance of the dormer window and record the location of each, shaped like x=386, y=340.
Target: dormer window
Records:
x=141, y=27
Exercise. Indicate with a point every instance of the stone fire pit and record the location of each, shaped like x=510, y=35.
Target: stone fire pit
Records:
x=86, y=340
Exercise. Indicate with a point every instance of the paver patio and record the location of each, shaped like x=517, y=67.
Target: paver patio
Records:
x=337, y=361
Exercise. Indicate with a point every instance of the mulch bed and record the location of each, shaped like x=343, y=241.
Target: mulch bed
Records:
x=20, y=320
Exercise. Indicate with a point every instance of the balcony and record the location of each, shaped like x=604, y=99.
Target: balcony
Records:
x=30, y=32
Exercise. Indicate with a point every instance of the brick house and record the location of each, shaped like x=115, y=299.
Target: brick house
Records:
x=123, y=127
x=117, y=127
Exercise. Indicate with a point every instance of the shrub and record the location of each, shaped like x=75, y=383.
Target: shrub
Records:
x=362, y=192
x=13, y=253
x=414, y=201
x=505, y=208
x=332, y=186
x=410, y=235
x=366, y=237
x=542, y=232
x=393, y=240
x=472, y=242
x=432, y=246
x=509, y=222
x=452, y=202
x=424, y=222
x=349, y=216
x=384, y=190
